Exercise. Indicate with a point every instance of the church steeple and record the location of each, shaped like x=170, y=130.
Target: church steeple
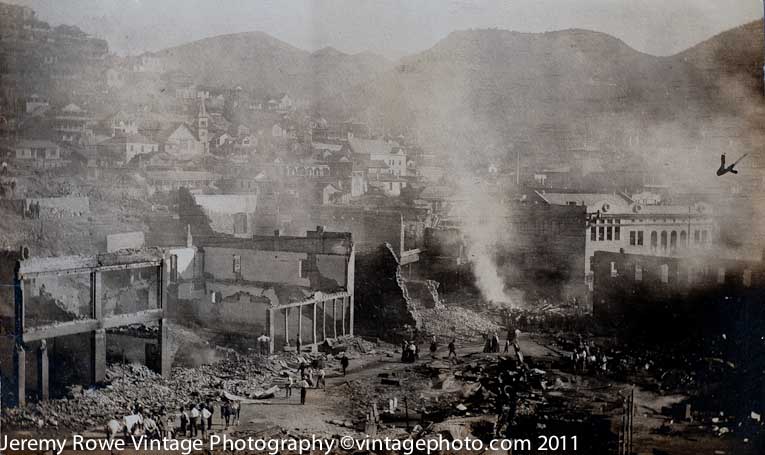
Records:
x=202, y=123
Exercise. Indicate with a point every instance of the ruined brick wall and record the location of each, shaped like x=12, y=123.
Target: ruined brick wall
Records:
x=382, y=304
x=370, y=228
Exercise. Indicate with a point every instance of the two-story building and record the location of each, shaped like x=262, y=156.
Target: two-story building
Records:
x=39, y=153
x=616, y=223
x=124, y=147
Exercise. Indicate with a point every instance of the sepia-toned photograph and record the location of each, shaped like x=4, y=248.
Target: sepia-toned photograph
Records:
x=382, y=227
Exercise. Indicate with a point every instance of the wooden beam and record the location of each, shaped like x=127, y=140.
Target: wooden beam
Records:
x=90, y=325
x=310, y=301
x=60, y=330
x=83, y=270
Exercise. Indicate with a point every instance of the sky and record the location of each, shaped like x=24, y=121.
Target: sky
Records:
x=393, y=27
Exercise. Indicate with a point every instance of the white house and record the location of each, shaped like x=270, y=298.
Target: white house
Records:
x=180, y=142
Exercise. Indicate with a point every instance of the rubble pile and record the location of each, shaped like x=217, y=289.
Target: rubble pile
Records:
x=455, y=322
x=128, y=385
x=403, y=386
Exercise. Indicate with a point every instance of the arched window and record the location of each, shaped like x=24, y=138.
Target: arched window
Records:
x=310, y=172
x=673, y=241
x=663, y=240
x=683, y=239
x=654, y=240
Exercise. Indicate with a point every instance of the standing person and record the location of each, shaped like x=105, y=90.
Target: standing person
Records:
x=202, y=419
x=404, y=350
x=510, y=339
x=344, y=362
x=206, y=419
x=193, y=420
x=261, y=341
x=288, y=387
x=495, y=343
x=452, y=349
x=225, y=412
x=303, y=391
x=237, y=411
x=184, y=421
x=298, y=344
x=211, y=410
x=321, y=379
x=170, y=426
x=433, y=346
x=309, y=377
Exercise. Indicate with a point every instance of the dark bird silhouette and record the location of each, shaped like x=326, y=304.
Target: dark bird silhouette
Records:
x=724, y=170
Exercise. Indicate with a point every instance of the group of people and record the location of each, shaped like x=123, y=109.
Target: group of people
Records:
x=410, y=351
x=586, y=357
x=33, y=211
x=491, y=343
x=154, y=424
x=196, y=418
x=311, y=376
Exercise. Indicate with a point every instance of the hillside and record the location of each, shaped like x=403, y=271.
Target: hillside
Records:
x=737, y=52
x=547, y=93
x=265, y=64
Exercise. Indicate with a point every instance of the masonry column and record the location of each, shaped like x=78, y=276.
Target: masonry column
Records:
x=286, y=326
x=98, y=337
x=163, y=348
x=334, y=318
x=19, y=355
x=343, y=317
x=43, y=381
x=271, y=330
x=300, y=325
x=350, y=323
x=98, y=356
x=20, y=367
x=324, y=320
x=313, y=324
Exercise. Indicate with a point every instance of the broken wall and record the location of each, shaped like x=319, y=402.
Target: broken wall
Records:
x=370, y=228
x=229, y=213
x=51, y=299
x=320, y=272
x=129, y=291
x=236, y=304
x=382, y=305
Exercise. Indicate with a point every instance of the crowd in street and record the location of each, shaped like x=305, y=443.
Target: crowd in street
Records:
x=194, y=420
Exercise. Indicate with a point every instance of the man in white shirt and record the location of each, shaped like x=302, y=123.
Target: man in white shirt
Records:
x=193, y=421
